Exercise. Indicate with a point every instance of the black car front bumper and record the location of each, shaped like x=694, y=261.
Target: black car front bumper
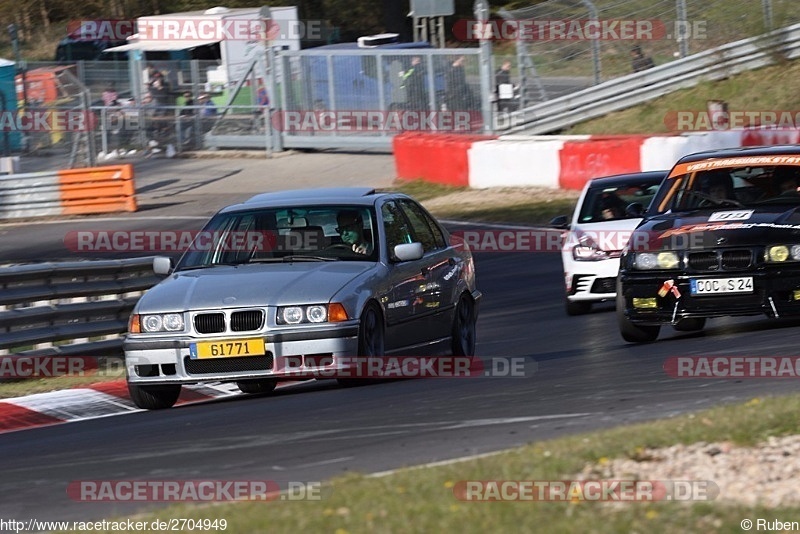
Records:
x=776, y=293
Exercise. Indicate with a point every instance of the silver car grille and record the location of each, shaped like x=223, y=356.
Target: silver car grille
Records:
x=238, y=321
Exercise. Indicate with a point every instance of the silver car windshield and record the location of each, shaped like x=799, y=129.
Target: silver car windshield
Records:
x=286, y=234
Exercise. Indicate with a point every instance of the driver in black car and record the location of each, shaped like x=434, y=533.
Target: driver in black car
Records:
x=719, y=185
x=785, y=180
x=351, y=228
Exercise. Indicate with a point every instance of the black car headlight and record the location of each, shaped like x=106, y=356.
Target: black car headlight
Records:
x=656, y=260
x=782, y=253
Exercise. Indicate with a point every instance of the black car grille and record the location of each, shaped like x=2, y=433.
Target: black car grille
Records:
x=703, y=261
x=244, y=321
x=209, y=323
x=604, y=285
x=228, y=365
x=725, y=260
x=736, y=259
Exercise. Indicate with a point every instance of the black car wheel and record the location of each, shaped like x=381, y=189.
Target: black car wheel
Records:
x=155, y=397
x=371, y=339
x=634, y=333
x=464, y=331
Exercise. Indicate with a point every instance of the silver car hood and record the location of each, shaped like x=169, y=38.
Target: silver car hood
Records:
x=251, y=285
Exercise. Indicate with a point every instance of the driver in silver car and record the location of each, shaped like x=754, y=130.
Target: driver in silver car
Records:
x=351, y=229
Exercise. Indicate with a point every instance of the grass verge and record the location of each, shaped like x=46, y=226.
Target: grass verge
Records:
x=422, y=500
x=766, y=89
x=533, y=206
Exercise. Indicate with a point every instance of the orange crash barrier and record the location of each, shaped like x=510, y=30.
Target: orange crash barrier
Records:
x=97, y=190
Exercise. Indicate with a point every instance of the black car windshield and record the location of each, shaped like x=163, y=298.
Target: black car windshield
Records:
x=732, y=188
x=286, y=234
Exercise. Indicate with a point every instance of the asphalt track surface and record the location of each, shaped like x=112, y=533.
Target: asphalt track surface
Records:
x=581, y=377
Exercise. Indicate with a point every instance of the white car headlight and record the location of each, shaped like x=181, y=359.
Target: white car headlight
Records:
x=588, y=250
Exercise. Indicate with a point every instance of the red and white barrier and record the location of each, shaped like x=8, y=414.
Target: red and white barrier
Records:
x=514, y=163
x=565, y=162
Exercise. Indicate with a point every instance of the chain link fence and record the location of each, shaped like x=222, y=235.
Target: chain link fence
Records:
x=678, y=28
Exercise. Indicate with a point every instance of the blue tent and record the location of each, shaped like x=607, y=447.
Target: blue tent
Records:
x=9, y=140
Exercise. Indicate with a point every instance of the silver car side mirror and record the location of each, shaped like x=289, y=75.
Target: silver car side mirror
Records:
x=162, y=265
x=408, y=251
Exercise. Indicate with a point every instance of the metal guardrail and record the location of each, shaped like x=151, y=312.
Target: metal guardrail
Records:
x=644, y=86
x=75, y=301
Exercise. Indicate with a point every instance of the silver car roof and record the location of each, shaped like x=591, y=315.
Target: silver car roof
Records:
x=359, y=196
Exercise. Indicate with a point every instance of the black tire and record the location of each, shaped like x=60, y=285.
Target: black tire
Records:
x=634, y=333
x=690, y=325
x=264, y=385
x=155, y=397
x=577, y=307
x=464, y=331
x=371, y=339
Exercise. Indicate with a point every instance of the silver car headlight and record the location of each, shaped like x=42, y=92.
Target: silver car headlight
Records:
x=314, y=313
x=656, y=260
x=166, y=322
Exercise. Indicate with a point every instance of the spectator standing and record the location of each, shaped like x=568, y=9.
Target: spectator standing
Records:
x=413, y=80
x=459, y=94
x=504, y=89
x=639, y=61
x=186, y=118
x=110, y=96
x=208, y=112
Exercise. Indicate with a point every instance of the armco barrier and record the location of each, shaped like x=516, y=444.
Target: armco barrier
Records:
x=68, y=192
x=583, y=160
x=41, y=304
x=437, y=158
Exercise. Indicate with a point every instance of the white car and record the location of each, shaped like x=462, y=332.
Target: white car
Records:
x=598, y=231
